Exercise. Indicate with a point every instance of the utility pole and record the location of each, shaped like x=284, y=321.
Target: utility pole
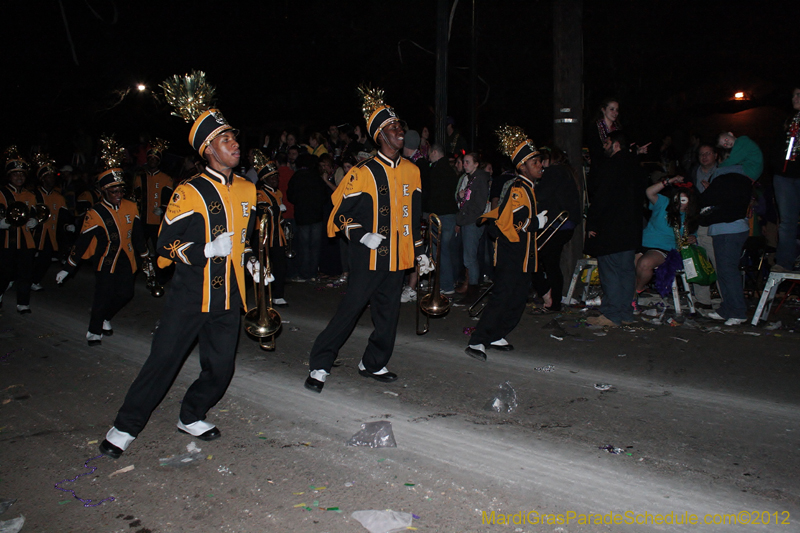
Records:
x=473, y=82
x=568, y=106
x=442, y=17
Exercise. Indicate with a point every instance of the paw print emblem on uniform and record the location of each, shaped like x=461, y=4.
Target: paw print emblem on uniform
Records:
x=218, y=230
x=384, y=210
x=384, y=230
x=214, y=207
x=113, y=237
x=217, y=282
x=108, y=261
x=383, y=251
x=217, y=260
x=383, y=189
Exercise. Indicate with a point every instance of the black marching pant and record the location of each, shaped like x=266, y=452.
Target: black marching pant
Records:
x=506, y=303
x=17, y=266
x=111, y=293
x=549, y=276
x=217, y=333
x=41, y=262
x=381, y=290
x=277, y=263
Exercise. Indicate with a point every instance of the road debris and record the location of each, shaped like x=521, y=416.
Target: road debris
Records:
x=375, y=435
x=504, y=400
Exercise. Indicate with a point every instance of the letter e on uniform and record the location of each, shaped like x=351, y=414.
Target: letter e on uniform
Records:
x=405, y=189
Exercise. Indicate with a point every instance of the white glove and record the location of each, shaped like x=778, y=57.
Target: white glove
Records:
x=542, y=218
x=4, y=224
x=219, y=247
x=255, y=270
x=157, y=211
x=70, y=228
x=372, y=240
x=283, y=208
x=425, y=265
x=61, y=276
x=32, y=223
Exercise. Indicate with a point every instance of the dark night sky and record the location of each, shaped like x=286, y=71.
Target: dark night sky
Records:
x=283, y=63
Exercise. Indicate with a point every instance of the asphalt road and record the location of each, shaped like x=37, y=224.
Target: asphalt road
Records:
x=706, y=421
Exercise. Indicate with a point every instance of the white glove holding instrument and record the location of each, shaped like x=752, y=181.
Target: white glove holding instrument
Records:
x=425, y=265
x=255, y=269
x=220, y=247
x=157, y=211
x=31, y=223
x=70, y=228
x=4, y=224
x=542, y=218
x=372, y=240
x=61, y=276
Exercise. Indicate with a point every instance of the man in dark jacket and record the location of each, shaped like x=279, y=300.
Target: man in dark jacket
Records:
x=438, y=189
x=614, y=229
x=309, y=194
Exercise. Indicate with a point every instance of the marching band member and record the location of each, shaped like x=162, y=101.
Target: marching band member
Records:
x=110, y=238
x=47, y=235
x=516, y=222
x=270, y=200
x=378, y=206
x=205, y=233
x=16, y=258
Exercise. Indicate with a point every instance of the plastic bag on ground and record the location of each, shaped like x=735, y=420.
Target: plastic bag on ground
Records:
x=504, y=400
x=383, y=521
x=375, y=435
x=13, y=526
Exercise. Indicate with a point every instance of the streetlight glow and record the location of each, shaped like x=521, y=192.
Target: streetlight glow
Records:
x=739, y=95
x=141, y=87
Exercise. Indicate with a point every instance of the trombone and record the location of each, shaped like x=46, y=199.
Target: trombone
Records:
x=263, y=322
x=433, y=303
x=547, y=232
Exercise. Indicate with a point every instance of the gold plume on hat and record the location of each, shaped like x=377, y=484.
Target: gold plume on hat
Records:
x=112, y=152
x=510, y=138
x=189, y=94
x=12, y=152
x=159, y=145
x=261, y=161
x=42, y=160
x=371, y=98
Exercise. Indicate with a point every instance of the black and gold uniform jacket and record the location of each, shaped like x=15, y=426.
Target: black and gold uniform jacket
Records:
x=107, y=233
x=269, y=201
x=59, y=217
x=85, y=201
x=516, y=222
x=380, y=196
x=201, y=209
x=152, y=190
x=17, y=238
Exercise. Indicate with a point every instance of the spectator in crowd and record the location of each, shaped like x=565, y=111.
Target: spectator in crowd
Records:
x=472, y=197
x=787, y=189
x=673, y=223
x=425, y=142
x=455, y=142
x=316, y=144
x=614, y=229
x=743, y=153
x=437, y=197
x=700, y=176
x=309, y=194
x=556, y=192
x=292, y=154
x=285, y=174
x=725, y=204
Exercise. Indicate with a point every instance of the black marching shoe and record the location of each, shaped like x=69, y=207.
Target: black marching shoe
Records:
x=106, y=448
x=386, y=377
x=211, y=434
x=314, y=385
x=480, y=355
x=501, y=347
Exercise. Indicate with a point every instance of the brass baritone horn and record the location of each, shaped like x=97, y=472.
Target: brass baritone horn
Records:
x=263, y=322
x=18, y=213
x=433, y=303
x=155, y=288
